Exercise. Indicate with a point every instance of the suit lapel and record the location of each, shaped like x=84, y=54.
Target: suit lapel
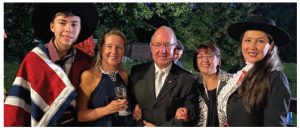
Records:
x=149, y=84
x=169, y=83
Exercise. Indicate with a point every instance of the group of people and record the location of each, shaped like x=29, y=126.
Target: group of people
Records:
x=60, y=85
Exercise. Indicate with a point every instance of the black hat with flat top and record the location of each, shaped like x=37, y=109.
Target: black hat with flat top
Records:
x=43, y=15
x=267, y=25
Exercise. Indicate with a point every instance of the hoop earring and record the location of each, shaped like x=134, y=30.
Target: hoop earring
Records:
x=272, y=47
x=270, y=52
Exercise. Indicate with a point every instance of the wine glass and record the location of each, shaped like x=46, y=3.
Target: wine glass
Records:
x=122, y=95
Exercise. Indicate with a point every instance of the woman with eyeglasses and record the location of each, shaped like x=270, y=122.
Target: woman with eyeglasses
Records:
x=207, y=61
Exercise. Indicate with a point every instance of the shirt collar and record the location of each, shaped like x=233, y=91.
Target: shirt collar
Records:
x=54, y=56
x=165, y=70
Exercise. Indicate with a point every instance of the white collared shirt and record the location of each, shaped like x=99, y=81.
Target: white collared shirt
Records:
x=166, y=73
x=165, y=70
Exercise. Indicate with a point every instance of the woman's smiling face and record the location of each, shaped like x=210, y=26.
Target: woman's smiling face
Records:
x=255, y=45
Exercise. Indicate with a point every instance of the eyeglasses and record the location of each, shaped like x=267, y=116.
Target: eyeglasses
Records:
x=159, y=45
x=202, y=57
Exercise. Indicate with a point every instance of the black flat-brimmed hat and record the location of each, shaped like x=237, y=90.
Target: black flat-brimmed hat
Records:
x=43, y=15
x=267, y=25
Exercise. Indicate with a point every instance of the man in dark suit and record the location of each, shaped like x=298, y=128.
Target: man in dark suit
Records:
x=160, y=87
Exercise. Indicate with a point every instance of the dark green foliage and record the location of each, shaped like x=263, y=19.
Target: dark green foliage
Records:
x=10, y=70
x=128, y=17
x=19, y=31
x=194, y=24
x=290, y=69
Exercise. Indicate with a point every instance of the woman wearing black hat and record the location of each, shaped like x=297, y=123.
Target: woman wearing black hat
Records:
x=259, y=94
x=49, y=75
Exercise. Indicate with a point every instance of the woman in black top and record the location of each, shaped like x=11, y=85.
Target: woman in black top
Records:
x=259, y=94
x=98, y=104
x=207, y=61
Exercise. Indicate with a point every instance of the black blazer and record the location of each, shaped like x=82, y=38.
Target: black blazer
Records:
x=272, y=113
x=179, y=90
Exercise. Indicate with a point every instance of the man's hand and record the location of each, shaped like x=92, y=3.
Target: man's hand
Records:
x=137, y=113
x=182, y=114
x=148, y=124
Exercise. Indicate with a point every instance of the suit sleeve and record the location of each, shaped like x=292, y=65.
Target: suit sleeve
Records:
x=278, y=100
x=191, y=102
x=130, y=87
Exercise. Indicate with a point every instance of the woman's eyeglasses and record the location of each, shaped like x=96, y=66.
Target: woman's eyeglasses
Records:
x=202, y=57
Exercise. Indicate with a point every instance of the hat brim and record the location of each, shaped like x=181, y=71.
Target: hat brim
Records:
x=281, y=37
x=43, y=15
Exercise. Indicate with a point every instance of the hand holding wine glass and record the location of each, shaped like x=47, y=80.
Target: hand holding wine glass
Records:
x=116, y=105
x=121, y=94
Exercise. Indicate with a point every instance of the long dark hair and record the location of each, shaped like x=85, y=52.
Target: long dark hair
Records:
x=256, y=84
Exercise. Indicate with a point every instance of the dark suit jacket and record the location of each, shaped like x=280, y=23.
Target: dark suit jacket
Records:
x=272, y=112
x=179, y=90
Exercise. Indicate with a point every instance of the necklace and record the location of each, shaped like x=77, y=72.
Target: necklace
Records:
x=59, y=50
x=206, y=88
x=211, y=80
x=111, y=75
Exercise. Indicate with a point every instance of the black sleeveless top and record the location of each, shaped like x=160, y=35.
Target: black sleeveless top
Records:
x=103, y=94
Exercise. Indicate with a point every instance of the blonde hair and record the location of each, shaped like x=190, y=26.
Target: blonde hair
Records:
x=98, y=58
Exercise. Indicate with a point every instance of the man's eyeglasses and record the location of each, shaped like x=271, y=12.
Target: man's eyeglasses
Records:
x=158, y=45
